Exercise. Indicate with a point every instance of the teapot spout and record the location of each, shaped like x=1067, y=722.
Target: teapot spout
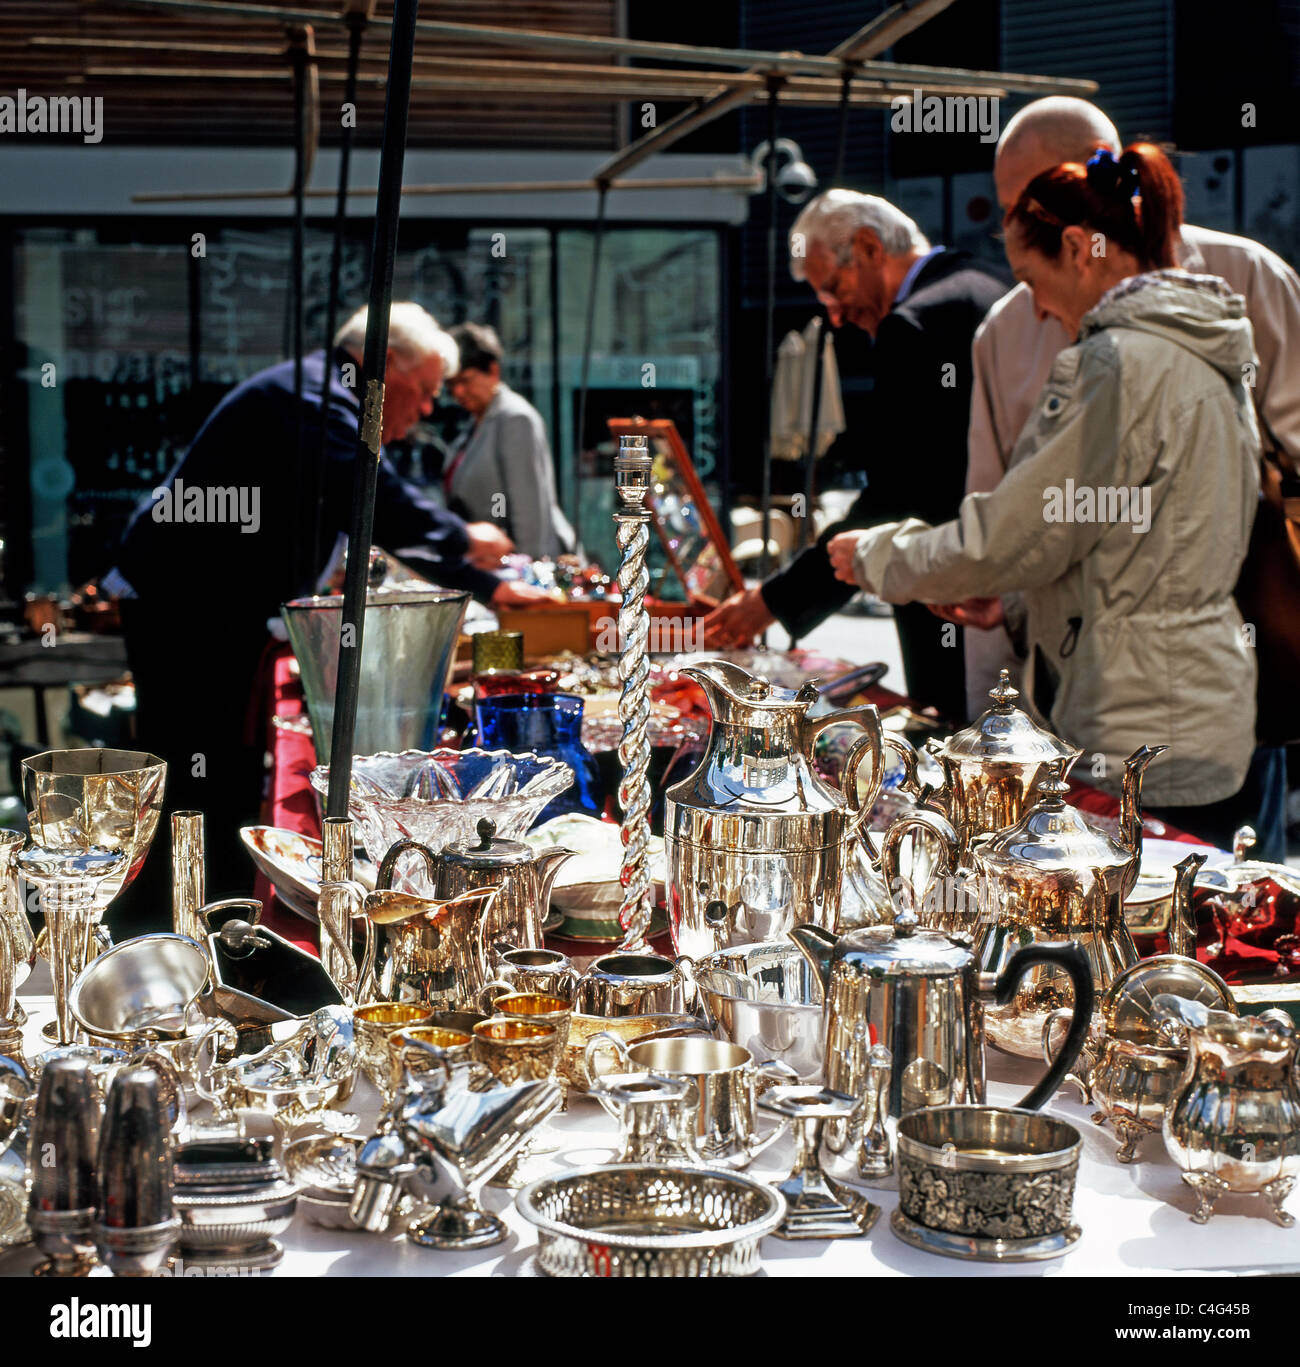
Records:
x=816, y=944
x=548, y=865
x=1182, y=918
x=1130, y=809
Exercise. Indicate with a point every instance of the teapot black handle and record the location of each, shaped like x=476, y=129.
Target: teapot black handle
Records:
x=1074, y=962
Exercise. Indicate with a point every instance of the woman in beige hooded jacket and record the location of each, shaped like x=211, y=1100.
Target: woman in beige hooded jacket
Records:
x=1124, y=516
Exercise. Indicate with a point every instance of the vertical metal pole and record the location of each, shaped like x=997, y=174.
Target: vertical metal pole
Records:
x=189, y=874
x=553, y=288
x=587, y=341
x=814, y=418
x=769, y=347
x=632, y=469
x=298, y=56
x=819, y=360
x=388, y=207
x=356, y=22
x=195, y=299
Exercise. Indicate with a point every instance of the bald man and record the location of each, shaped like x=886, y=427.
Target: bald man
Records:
x=1014, y=349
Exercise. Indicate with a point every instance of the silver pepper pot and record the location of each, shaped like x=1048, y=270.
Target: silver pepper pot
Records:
x=62, y=1205
x=137, y=1225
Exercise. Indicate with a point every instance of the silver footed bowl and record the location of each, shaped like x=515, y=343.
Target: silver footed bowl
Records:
x=439, y=796
x=650, y=1220
x=145, y=984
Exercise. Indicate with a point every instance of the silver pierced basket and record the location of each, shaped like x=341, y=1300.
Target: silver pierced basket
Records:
x=650, y=1220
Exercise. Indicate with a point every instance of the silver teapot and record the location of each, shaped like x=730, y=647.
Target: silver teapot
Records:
x=1051, y=877
x=991, y=769
x=522, y=876
x=755, y=840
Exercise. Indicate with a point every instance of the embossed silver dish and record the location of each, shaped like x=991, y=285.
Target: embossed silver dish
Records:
x=650, y=1220
x=989, y=1183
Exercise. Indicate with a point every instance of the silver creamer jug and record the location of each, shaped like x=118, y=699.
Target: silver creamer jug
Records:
x=755, y=840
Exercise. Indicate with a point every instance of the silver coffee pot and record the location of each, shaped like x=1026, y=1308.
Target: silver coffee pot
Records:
x=919, y=992
x=755, y=840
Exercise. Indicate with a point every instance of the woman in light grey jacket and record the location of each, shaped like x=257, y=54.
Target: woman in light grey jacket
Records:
x=1125, y=514
x=503, y=472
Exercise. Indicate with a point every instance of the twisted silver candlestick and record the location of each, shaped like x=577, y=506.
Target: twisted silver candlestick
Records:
x=631, y=482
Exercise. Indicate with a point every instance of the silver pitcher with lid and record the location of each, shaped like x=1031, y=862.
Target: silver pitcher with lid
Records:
x=755, y=840
x=991, y=769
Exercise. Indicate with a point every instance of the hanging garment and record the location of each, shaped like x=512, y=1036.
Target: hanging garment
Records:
x=792, y=389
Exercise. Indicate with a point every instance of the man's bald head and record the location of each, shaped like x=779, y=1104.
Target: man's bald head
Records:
x=1045, y=134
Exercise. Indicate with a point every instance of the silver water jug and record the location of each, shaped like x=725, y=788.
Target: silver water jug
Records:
x=755, y=840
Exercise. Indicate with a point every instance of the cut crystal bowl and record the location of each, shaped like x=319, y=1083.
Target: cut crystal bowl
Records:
x=438, y=797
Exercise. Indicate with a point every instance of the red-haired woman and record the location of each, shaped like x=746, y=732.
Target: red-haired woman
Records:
x=1125, y=514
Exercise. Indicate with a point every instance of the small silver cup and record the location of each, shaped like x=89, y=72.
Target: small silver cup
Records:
x=725, y=1081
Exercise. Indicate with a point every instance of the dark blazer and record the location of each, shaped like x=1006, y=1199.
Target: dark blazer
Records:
x=915, y=457
x=247, y=443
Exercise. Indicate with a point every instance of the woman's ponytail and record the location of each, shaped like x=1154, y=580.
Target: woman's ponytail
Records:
x=1135, y=200
x=1160, y=211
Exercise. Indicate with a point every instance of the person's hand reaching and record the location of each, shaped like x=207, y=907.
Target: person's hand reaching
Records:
x=510, y=593
x=487, y=545
x=983, y=613
x=737, y=621
x=841, y=549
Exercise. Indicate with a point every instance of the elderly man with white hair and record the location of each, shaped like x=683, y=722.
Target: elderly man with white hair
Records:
x=871, y=266
x=208, y=572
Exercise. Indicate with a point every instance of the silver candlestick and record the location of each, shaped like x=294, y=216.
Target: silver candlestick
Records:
x=632, y=482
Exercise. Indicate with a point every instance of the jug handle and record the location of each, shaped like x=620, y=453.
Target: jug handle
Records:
x=1072, y=959
x=686, y=967
x=388, y=865
x=147, y=1055
x=873, y=743
x=594, y=1044
x=490, y=991
x=933, y=824
x=1081, y=1075
x=367, y=987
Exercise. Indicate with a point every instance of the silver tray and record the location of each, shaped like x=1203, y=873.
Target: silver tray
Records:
x=650, y=1220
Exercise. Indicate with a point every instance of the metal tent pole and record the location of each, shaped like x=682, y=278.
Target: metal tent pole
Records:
x=819, y=362
x=589, y=332
x=298, y=57
x=769, y=351
x=356, y=28
x=397, y=110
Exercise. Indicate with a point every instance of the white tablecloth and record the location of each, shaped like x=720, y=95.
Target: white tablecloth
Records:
x=1134, y=1219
